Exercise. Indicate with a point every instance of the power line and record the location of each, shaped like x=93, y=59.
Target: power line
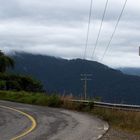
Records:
x=97, y=40
x=107, y=47
x=87, y=37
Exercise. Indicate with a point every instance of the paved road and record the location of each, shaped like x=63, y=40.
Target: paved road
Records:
x=52, y=124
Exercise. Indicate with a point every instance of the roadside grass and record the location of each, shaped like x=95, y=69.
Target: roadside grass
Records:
x=118, y=119
x=31, y=98
x=123, y=120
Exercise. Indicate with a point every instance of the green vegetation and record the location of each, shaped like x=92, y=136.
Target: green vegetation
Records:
x=5, y=62
x=16, y=82
x=31, y=98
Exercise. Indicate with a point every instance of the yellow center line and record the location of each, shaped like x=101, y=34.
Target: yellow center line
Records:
x=33, y=126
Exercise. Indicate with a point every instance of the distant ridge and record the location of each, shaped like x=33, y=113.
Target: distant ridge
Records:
x=63, y=76
x=130, y=71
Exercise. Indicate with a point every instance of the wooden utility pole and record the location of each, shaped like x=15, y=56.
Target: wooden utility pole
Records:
x=85, y=78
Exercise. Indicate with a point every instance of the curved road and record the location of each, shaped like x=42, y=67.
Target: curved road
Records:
x=51, y=124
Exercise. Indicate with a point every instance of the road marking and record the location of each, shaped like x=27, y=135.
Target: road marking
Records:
x=99, y=136
x=33, y=126
x=106, y=127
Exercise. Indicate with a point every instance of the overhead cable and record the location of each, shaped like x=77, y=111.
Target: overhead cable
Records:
x=119, y=18
x=98, y=36
x=88, y=29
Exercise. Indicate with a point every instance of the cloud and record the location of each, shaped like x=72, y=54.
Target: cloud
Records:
x=58, y=27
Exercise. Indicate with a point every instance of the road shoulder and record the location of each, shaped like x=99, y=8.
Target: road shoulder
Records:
x=115, y=134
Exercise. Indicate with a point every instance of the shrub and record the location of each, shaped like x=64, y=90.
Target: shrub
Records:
x=31, y=98
x=54, y=101
x=2, y=84
x=19, y=83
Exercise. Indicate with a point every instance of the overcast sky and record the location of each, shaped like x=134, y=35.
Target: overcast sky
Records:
x=58, y=28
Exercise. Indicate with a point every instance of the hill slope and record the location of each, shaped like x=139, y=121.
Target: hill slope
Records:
x=62, y=75
x=130, y=71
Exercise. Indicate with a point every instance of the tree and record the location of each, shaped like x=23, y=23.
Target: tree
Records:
x=5, y=62
x=28, y=83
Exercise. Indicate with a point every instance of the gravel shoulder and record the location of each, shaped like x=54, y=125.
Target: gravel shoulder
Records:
x=115, y=134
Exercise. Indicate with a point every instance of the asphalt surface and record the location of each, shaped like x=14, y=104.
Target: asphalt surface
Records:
x=52, y=124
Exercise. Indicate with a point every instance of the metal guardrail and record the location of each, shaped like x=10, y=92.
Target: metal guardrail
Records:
x=111, y=105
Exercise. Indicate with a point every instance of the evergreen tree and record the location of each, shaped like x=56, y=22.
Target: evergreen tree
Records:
x=5, y=62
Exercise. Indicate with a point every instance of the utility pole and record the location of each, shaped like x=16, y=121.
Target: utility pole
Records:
x=85, y=78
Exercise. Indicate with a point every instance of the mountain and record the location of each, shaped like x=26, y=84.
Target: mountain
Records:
x=63, y=76
x=130, y=71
